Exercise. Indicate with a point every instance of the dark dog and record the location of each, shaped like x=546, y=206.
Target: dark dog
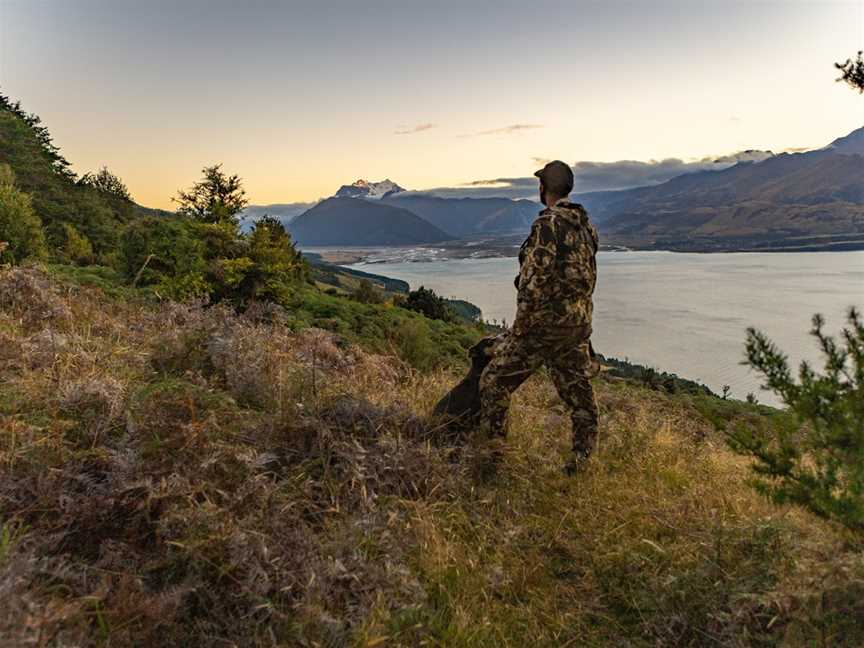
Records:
x=462, y=403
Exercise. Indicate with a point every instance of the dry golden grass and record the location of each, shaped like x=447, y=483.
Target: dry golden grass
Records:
x=179, y=475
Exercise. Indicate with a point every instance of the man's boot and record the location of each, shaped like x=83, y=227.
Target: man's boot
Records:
x=490, y=454
x=584, y=440
x=576, y=463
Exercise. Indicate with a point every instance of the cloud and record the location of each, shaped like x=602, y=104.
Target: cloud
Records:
x=491, y=188
x=624, y=174
x=506, y=130
x=499, y=182
x=419, y=128
x=540, y=161
x=750, y=155
x=599, y=176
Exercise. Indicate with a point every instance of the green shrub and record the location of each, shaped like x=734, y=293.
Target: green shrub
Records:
x=818, y=463
x=186, y=258
x=77, y=248
x=20, y=226
x=277, y=266
x=412, y=342
x=166, y=254
x=367, y=293
x=220, y=240
x=424, y=300
x=465, y=310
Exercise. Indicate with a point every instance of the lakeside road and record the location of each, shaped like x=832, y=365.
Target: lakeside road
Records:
x=685, y=313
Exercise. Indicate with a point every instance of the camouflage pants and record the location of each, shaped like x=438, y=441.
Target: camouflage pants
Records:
x=571, y=366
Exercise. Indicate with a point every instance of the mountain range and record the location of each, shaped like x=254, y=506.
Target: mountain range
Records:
x=470, y=217
x=810, y=200
x=389, y=215
x=791, y=200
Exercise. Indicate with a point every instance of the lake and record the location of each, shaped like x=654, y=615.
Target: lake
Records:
x=682, y=313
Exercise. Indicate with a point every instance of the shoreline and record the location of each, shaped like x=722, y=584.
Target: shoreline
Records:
x=348, y=255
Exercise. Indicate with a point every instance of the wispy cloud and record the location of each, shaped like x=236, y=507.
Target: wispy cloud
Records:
x=410, y=130
x=750, y=155
x=541, y=161
x=498, y=182
x=512, y=129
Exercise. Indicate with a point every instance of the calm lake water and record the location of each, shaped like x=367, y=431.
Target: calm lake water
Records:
x=683, y=313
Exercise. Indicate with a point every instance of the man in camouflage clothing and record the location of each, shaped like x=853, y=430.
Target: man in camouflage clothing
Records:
x=557, y=274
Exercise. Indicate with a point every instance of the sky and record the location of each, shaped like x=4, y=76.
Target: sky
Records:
x=300, y=97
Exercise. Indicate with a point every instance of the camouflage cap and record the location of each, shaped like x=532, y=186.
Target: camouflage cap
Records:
x=557, y=177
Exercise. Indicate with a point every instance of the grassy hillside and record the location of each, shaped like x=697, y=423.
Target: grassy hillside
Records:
x=180, y=475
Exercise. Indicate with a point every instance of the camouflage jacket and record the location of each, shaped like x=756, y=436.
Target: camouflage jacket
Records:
x=557, y=274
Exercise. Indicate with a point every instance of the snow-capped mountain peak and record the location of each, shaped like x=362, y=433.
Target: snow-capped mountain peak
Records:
x=370, y=190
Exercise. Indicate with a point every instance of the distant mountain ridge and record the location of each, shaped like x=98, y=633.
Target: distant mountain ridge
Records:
x=352, y=221
x=780, y=201
x=467, y=217
x=283, y=212
x=851, y=144
x=383, y=213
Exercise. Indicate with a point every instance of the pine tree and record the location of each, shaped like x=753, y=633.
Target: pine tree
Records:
x=217, y=198
x=852, y=72
x=59, y=164
x=106, y=182
x=818, y=462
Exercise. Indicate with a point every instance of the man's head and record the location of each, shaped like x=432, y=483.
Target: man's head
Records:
x=556, y=182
